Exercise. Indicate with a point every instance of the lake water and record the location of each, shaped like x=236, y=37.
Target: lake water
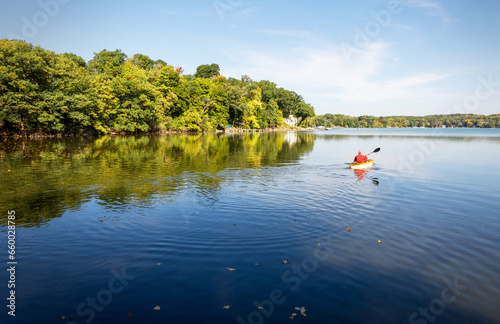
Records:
x=254, y=228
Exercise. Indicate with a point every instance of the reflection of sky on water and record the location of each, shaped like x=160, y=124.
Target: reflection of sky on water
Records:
x=199, y=204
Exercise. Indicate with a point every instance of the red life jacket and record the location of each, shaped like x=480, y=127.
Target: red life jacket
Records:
x=360, y=158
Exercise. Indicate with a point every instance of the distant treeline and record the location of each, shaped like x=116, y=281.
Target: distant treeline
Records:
x=48, y=93
x=453, y=120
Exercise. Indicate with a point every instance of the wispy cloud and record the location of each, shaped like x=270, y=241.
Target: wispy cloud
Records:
x=365, y=79
x=247, y=11
x=233, y=9
x=432, y=8
x=291, y=32
x=298, y=34
x=169, y=12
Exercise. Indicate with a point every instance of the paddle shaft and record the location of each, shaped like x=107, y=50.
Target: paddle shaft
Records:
x=374, y=151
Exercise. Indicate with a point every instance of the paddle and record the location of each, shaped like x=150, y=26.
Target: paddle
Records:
x=357, y=163
x=374, y=151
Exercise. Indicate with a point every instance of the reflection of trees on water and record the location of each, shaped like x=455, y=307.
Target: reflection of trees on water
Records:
x=50, y=176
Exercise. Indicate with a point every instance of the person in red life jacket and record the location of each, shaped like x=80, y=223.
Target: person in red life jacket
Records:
x=360, y=158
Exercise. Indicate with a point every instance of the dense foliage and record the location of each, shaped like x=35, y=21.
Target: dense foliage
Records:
x=453, y=120
x=49, y=93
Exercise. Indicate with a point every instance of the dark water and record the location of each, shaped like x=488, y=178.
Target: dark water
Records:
x=110, y=226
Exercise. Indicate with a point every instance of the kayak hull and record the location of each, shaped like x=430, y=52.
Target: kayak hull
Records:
x=357, y=166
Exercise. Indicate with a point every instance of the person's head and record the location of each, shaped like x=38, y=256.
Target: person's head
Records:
x=360, y=152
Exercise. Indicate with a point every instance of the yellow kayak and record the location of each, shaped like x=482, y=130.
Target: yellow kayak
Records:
x=366, y=164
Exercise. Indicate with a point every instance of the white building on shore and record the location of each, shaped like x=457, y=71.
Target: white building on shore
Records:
x=291, y=121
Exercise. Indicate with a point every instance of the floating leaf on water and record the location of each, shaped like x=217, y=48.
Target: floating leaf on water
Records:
x=230, y=269
x=302, y=310
x=157, y=308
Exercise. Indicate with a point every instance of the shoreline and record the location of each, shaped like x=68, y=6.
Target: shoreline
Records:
x=179, y=132
x=161, y=132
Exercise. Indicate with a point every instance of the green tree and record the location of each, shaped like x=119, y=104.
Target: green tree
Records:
x=140, y=103
x=246, y=79
x=207, y=71
x=107, y=62
x=270, y=115
x=40, y=91
x=174, y=89
x=219, y=109
x=75, y=58
x=160, y=63
x=143, y=61
x=305, y=110
x=235, y=102
x=104, y=103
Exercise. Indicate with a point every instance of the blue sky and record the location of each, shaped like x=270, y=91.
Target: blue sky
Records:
x=407, y=57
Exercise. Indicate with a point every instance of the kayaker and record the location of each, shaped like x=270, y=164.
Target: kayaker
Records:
x=360, y=158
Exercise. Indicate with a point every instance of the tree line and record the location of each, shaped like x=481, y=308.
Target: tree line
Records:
x=48, y=93
x=452, y=120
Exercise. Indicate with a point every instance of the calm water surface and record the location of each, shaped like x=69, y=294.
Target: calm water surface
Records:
x=111, y=227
